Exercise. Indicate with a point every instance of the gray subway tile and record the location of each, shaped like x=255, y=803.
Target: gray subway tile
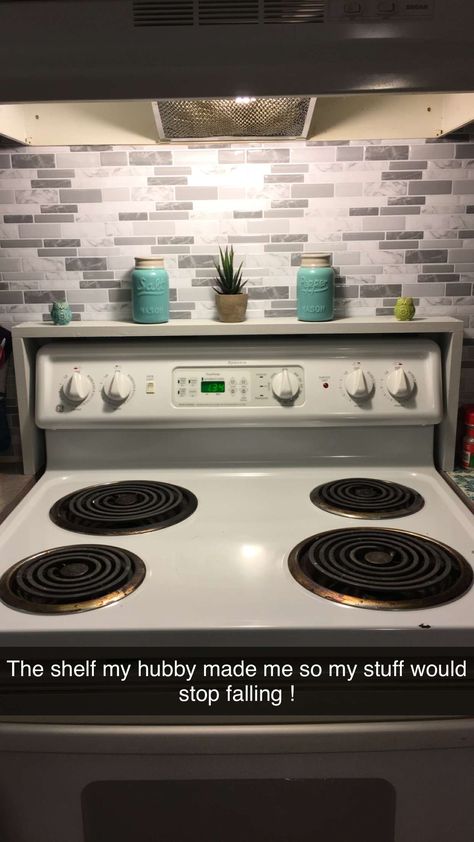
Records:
x=32, y=162
x=349, y=153
x=465, y=150
x=466, y=234
x=433, y=277
x=386, y=153
x=459, y=289
x=137, y=215
x=434, y=267
x=113, y=159
x=432, y=151
x=134, y=241
x=57, y=252
x=247, y=214
x=97, y=284
x=150, y=158
x=98, y=275
x=432, y=188
x=5, y=162
x=62, y=208
x=406, y=235
x=289, y=168
x=173, y=206
x=11, y=298
x=408, y=165
x=79, y=264
x=54, y=217
x=461, y=188
x=289, y=203
x=380, y=290
x=406, y=200
x=34, y=230
x=312, y=191
x=167, y=179
x=423, y=255
x=21, y=244
x=404, y=175
x=268, y=156
x=78, y=195
x=12, y=217
x=62, y=243
x=56, y=173
x=282, y=178
x=175, y=241
x=51, y=182
x=196, y=260
x=364, y=211
x=364, y=235
x=231, y=156
x=412, y=211
x=268, y=292
x=44, y=296
x=200, y=193
x=120, y=294
x=399, y=244
x=461, y=255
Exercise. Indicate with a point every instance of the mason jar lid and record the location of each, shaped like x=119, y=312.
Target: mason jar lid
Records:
x=312, y=259
x=149, y=263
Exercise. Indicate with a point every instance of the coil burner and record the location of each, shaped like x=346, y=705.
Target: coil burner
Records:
x=123, y=508
x=380, y=568
x=370, y=499
x=65, y=580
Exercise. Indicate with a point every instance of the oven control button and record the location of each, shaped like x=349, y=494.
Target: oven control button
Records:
x=359, y=384
x=117, y=387
x=77, y=388
x=400, y=383
x=285, y=385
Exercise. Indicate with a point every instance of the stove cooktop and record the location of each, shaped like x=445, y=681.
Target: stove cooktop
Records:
x=223, y=571
x=364, y=497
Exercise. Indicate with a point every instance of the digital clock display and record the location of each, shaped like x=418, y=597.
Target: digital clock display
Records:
x=212, y=386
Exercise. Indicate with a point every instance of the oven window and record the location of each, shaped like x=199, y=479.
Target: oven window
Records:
x=239, y=810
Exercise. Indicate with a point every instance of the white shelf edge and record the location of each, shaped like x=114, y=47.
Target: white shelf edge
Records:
x=199, y=327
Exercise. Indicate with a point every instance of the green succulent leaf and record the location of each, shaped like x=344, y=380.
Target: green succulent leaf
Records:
x=228, y=280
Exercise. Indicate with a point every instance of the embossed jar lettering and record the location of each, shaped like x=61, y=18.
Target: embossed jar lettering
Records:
x=150, y=291
x=315, y=289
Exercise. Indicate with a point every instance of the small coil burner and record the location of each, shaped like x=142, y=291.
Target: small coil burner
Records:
x=370, y=499
x=65, y=580
x=123, y=508
x=380, y=568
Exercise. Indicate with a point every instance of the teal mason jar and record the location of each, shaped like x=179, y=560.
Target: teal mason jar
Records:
x=150, y=291
x=315, y=289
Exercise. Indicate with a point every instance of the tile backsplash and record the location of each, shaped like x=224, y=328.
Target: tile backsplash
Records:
x=398, y=219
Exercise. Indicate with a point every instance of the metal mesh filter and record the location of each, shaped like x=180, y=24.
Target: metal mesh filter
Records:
x=245, y=117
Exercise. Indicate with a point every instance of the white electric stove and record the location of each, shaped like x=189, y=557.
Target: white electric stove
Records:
x=244, y=493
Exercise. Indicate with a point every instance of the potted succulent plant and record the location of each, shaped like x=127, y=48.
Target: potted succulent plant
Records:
x=231, y=302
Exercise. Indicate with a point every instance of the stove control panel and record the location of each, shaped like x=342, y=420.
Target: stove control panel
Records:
x=252, y=386
x=239, y=382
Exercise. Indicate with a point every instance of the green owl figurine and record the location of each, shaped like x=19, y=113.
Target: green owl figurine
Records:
x=404, y=309
x=61, y=313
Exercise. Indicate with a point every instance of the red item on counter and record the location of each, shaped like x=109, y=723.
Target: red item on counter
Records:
x=468, y=438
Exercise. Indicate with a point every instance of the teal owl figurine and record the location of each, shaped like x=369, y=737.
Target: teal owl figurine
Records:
x=404, y=309
x=61, y=313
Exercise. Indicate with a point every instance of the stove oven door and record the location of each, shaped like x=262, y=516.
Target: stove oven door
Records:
x=367, y=782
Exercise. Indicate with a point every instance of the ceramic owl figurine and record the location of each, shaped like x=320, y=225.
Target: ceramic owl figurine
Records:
x=61, y=313
x=404, y=309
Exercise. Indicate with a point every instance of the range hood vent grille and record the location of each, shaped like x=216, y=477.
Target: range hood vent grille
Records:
x=243, y=118
x=226, y=12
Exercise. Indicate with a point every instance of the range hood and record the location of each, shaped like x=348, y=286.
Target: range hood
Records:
x=92, y=71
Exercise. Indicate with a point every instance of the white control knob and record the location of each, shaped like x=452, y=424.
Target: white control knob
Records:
x=285, y=385
x=400, y=384
x=77, y=388
x=117, y=387
x=358, y=384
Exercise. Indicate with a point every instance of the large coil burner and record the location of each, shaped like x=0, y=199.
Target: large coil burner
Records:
x=370, y=499
x=123, y=508
x=380, y=568
x=65, y=580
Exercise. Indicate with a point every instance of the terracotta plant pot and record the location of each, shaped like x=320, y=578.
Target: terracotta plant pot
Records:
x=231, y=308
